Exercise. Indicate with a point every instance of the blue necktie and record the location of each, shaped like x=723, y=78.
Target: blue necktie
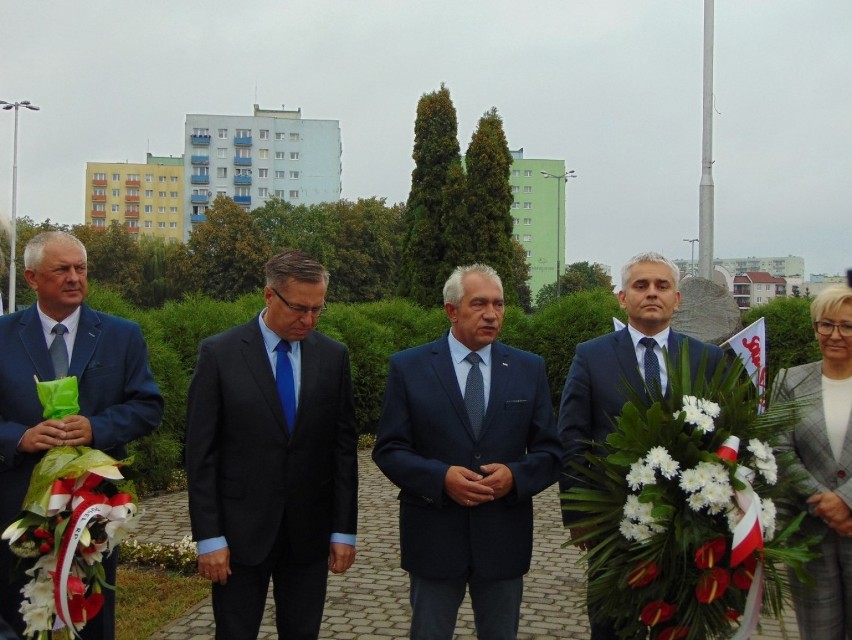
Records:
x=285, y=383
x=474, y=393
x=652, y=369
x=59, y=351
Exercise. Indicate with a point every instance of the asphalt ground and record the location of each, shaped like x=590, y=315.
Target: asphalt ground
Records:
x=371, y=599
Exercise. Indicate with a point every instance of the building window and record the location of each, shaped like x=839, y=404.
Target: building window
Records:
x=221, y=172
x=133, y=176
x=116, y=193
x=294, y=155
x=221, y=192
x=242, y=133
x=280, y=174
x=527, y=237
x=528, y=189
x=198, y=131
x=149, y=208
x=132, y=224
x=243, y=153
x=162, y=178
x=279, y=193
x=173, y=225
x=148, y=224
x=528, y=173
x=99, y=176
x=528, y=205
x=516, y=173
x=527, y=220
x=263, y=192
x=98, y=222
x=517, y=237
x=173, y=194
x=242, y=172
x=161, y=225
x=263, y=173
x=115, y=208
x=242, y=191
x=264, y=134
x=223, y=134
x=263, y=154
x=161, y=209
x=280, y=155
x=294, y=137
x=516, y=220
x=162, y=194
x=116, y=177
x=529, y=254
x=172, y=209
x=516, y=205
x=133, y=208
x=149, y=193
x=280, y=136
x=515, y=188
x=149, y=177
x=174, y=179
x=99, y=206
x=294, y=194
x=294, y=175
x=221, y=153
x=99, y=192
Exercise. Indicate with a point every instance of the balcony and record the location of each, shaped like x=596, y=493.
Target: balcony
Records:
x=242, y=142
x=131, y=214
x=129, y=198
x=199, y=140
x=98, y=197
x=242, y=199
x=242, y=162
x=242, y=180
x=200, y=159
x=199, y=199
x=197, y=217
x=131, y=183
x=99, y=182
x=199, y=179
x=99, y=214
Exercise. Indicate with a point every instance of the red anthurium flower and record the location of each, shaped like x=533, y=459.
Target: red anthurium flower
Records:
x=83, y=609
x=656, y=612
x=643, y=574
x=712, y=585
x=732, y=615
x=744, y=575
x=673, y=633
x=709, y=554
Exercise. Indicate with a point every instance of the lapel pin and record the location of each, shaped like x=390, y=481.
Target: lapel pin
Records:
x=505, y=364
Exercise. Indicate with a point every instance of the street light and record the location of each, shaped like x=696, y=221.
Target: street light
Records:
x=8, y=106
x=559, y=180
x=691, y=242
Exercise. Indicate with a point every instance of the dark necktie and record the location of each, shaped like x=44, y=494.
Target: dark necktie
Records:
x=652, y=368
x=474, y=393
x=59, y=351
x=285, y=383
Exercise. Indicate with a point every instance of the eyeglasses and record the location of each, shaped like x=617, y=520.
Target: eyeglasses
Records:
x=300, y=309
x=826, y=328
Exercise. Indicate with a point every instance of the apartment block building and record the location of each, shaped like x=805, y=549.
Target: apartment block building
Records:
x=146, y=199
x=778, y=266
x=271, y=153
x=754, y=288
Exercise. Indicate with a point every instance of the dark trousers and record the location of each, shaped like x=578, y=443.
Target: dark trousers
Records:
x=298, y=589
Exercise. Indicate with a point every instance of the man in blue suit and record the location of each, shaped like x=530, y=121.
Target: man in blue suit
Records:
x=119, y=399
x=467, y=433
x=605, y=369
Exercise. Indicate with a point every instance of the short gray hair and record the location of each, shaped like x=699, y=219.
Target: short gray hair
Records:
x=34, y=251
x=454, y=286
x=649, y=256
x=829, y=300
x=294, y=264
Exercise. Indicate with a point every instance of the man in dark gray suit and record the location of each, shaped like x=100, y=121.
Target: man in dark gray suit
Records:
x=594, y=393
x=271, y=458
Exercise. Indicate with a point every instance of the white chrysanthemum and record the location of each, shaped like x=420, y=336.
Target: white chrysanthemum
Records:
x=709, y=408
x=705, y=423
x=690, y=481
x=656, y=457
x=760, y=449
x=635, y=474
x=632, y=507
x=669, y=468
x=717, y=494
x=695, y=502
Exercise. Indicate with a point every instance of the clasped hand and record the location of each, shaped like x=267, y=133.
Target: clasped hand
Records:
x=70, y=431
x=470, y=489
x=832, y=510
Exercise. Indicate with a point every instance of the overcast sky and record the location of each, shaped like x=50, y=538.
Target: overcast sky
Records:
x=613, y=87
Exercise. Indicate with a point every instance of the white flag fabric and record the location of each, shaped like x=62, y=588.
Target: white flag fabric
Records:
x=750, y=346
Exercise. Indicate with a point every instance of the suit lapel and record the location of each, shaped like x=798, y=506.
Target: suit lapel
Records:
x=625, y=353
x=309, y=378
x=445, y=372
x=33, y=342
x=88, y=334
x=500, y=374
x=257, y=361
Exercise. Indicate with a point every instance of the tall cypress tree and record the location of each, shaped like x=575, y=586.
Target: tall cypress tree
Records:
x=436, y=147
x=489, y=199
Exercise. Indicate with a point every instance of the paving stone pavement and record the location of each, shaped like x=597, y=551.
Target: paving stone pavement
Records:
x=371, y=599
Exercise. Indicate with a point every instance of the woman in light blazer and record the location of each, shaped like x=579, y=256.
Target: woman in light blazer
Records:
x=822, y=442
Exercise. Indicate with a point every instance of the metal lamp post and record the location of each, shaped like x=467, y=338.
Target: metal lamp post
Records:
x=26, y=104
x=691, y=242
x=559, y=180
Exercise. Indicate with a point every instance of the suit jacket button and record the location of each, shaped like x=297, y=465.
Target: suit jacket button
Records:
x=841, y=474
x=477, y=455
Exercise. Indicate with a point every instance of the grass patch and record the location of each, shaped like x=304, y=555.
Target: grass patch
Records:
x=149, y=598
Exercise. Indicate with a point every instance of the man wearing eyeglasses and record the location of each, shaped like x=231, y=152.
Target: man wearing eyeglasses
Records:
x=271, y=458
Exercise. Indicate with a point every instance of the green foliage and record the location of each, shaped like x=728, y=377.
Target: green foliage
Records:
x=181, y=557
x=557, y=329
x=114, y=257
x=790, y=337
x=579, y=276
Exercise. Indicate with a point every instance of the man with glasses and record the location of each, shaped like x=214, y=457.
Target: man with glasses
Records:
x=271, y=458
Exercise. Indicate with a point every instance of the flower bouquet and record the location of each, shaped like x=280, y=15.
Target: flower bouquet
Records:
x=685, y=507
x=75, y=512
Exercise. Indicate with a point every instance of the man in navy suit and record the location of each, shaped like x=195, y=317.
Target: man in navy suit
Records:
x=119, y=399
x=469, y=444
x=595, y=392
x=273, y=479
